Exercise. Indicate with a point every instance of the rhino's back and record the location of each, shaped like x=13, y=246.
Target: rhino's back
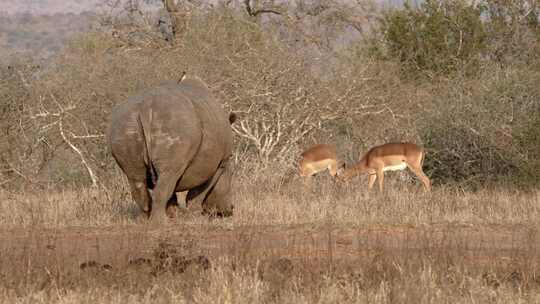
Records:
x=210, y=113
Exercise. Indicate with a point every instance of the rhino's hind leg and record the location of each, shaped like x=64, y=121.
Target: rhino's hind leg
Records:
x=139, y=192
x=217, y=202
x=163, y=192
x=169, y=174
x=172, y=206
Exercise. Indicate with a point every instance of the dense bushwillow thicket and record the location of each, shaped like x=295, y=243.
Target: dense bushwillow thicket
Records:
x=462, y=80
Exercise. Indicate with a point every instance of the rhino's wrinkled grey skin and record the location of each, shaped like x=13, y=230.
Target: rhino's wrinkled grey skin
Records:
x=175, y=137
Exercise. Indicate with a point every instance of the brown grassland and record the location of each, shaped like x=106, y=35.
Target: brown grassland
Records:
x=70, y=232
x=328, y=244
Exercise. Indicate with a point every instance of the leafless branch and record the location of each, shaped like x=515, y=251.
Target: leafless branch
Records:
x=86, y=136
x=276, y=138
x=78, y=151
x=254, y=13
x=59, y=116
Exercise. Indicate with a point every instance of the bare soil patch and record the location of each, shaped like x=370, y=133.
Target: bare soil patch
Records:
x=135, y=245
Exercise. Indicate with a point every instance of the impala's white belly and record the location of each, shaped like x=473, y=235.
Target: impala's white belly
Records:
x=320, y=165
x=399, y=167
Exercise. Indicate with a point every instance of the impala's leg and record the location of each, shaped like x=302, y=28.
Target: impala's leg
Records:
x=420, y=174
x=380, y=176
x=371, y=180
x=333, y=168
x=308, y=179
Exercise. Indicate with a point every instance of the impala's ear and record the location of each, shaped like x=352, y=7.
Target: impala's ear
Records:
x=341, y=170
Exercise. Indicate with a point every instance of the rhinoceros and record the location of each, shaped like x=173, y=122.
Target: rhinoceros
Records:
x=172, y=138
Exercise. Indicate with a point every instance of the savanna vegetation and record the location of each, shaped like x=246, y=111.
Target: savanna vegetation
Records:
x=461, y=80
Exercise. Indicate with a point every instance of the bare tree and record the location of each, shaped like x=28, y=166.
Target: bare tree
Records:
x=49, y=121
x=167, y=21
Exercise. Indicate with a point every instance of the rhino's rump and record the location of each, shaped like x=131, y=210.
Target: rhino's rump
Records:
x=215, y=145
x=127, y=142
x=169, y=127
x=186, y=119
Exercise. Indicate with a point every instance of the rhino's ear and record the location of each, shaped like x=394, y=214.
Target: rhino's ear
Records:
x=232, y=117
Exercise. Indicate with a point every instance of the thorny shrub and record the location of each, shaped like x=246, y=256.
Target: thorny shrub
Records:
x=475, y=128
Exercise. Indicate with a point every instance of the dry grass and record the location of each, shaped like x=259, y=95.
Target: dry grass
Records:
x=250, y=268
x=225, y=285
x=268, y=199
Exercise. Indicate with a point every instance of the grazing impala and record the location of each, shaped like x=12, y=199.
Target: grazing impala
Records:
x=389, y=157
x=319, y=158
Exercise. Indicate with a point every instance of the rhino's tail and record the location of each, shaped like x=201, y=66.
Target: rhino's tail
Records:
x=145, y=121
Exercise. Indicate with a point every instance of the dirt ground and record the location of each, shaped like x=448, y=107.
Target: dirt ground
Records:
x=121, y=246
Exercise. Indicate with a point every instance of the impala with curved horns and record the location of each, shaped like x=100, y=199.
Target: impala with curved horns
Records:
x=389, y=157
x=317, y=159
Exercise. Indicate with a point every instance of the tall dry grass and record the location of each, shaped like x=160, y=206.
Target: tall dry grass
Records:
x=272, y=198
x=426, y=284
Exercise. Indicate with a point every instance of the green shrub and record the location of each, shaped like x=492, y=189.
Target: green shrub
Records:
x=437, y=37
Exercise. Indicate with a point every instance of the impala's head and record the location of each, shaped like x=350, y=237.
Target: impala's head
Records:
x=344, y=173
x=340, y=170
x=302, y=169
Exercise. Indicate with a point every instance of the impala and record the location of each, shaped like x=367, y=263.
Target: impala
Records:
x=389, y=157
x=319, y=158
